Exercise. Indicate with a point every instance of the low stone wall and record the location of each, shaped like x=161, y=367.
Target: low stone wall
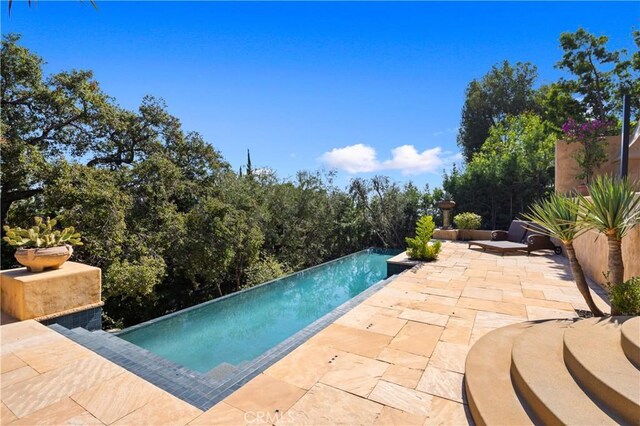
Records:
x=461, y=234
x=592, y=252
x=445, y=234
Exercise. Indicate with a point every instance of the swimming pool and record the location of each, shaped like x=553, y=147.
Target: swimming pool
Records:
x=238, y=328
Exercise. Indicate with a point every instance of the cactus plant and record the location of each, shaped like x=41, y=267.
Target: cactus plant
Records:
x=41, y=235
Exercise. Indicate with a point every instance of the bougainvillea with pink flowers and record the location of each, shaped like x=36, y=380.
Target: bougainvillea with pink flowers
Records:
x=590, y=135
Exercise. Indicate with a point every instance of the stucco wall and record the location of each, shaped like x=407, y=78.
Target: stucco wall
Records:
x=591, y=248
x=592, y=252
x=567, y=167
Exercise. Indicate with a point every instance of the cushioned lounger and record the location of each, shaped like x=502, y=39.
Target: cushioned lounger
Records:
x=522, y=236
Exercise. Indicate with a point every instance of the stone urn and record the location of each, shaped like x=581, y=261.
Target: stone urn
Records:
x=39, y=259
x=446, y=206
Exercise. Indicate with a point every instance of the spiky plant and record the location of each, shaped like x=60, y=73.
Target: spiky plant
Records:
x=613, y=209
x=560, y=218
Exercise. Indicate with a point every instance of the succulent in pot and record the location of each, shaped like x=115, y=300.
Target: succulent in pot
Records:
x=41, y=246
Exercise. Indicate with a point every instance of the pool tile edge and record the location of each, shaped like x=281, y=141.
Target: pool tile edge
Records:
x=193, y=387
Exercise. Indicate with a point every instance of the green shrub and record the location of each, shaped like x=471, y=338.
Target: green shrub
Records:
x=626, y=297
x=467, y=220
x=421, y=247
x=266, y=269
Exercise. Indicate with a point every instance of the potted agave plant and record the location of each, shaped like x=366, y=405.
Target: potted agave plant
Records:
x=41, y=246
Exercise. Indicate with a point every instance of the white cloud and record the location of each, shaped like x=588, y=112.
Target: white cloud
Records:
x=455, y=157
x=362, y=158
x=410, y=162
x=357, y=158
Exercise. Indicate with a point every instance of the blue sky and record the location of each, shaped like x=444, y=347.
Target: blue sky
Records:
x=366, y=88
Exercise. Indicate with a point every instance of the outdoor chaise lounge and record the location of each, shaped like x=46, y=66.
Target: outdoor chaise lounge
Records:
x=522, y=236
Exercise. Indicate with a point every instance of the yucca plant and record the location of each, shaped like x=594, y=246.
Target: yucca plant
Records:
x=560, y=218
x=613, y=209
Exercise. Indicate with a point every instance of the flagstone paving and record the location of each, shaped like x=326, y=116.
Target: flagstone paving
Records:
x=397, y=358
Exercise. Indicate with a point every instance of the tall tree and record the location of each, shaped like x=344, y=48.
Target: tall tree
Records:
x=513, y=168
x=598, y=75
x=42, y=118
x=249, y=167
x=504, y=90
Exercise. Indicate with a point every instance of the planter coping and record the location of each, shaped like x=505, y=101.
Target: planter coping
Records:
x=68, y=268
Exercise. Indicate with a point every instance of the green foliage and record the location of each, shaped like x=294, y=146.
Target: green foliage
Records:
x=389, y=210
x=513, y=168
x=467, y=220
x=592, y=89
x=505, y=90
x=559, y=215
x=136, y=279
x=592, y=153
x=556, y=105
x=599, y=76
x=625, y=297
x=561, y=218
x=265, y=269
x=41, y=235
x=421, y=247
x=613, y=207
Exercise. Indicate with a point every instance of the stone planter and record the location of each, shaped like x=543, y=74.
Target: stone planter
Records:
x=464, y=234
x=39, y=259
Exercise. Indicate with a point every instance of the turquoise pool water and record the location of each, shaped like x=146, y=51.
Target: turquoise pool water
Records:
x=243, y=326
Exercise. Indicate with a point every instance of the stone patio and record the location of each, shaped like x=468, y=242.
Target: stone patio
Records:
x=397, y=358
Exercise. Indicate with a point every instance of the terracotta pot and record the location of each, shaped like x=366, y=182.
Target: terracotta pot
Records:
x=582, y=189
x=39, y=259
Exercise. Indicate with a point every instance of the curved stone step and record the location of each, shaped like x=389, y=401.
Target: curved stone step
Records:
x=543, y=381
x=490, y=393
x=594, y=356
x=631, y=340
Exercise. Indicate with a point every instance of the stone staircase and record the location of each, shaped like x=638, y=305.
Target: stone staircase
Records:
x=552, y=372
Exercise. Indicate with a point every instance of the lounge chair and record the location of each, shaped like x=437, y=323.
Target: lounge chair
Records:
x=521, y=236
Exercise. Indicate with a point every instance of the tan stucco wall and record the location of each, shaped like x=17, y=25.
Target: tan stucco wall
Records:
x=591, y=248
x=592, y=252
x=567, y=167
x=27, y=295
